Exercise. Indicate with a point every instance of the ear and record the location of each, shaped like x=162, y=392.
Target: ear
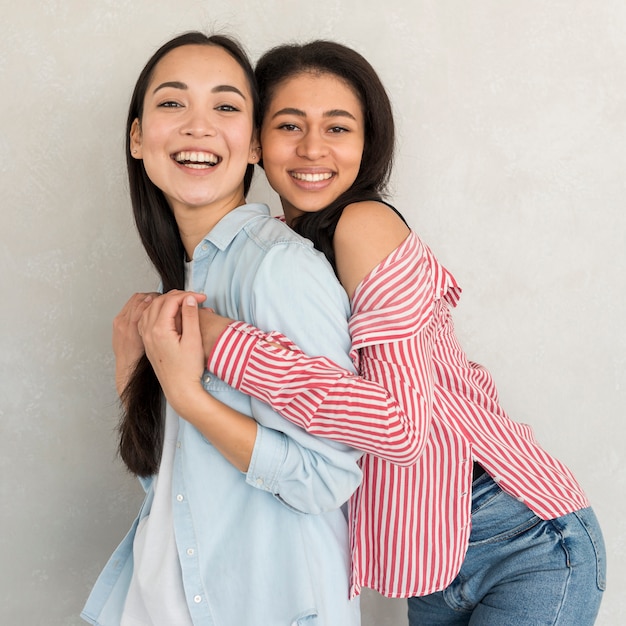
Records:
x=255, y=149
x=135, y=140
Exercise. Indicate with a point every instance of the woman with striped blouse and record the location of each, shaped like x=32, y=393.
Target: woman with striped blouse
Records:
x=460, y=509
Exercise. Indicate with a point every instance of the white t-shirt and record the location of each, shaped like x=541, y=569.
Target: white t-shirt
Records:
x=156, y=596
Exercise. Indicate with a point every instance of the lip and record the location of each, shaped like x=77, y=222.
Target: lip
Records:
x=194, y=160
x=312, y=178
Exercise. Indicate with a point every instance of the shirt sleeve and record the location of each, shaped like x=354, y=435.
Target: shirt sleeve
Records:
x=306, y=473
x=387, y=410
x=316, y=393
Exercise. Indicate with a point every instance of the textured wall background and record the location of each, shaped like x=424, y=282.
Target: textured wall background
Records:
x=511, y=165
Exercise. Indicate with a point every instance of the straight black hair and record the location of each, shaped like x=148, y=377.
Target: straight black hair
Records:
x=141, y=424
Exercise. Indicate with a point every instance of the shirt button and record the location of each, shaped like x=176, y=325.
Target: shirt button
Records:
x=206, y=379
x=190, y=551
x=180, y=497
x=259, y=481
x=205, y=246
x=197, y=599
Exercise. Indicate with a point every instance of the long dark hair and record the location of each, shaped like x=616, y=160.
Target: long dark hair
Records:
x=328, y=57
x=141, y=425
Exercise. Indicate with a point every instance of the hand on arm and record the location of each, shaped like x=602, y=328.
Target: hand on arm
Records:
x=212, y=326
x=387, y=410
x=127, y=343
x=321, y=397
x=171, y=335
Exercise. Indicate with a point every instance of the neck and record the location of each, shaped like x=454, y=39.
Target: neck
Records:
x=194, y=222
x=290, y=212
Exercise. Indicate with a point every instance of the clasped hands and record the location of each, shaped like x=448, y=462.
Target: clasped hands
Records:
x=175, y=333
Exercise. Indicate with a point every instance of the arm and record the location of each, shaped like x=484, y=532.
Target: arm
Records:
x=127, y=343
x=312, y=392
x=311, y=473
x=366, y=234
x=307, y=474
x=175, y=351
x=386, y=411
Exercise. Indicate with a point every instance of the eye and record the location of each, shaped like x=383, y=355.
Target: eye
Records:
x=228, y=108
x=289, y=127
x=338, y=129
x=169, y=104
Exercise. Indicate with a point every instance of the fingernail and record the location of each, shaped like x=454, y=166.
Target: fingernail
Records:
x=148, y=299
x=191, y=301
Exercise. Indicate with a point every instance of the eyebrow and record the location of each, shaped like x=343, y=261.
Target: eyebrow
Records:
x=175, y=84
x=300, y=113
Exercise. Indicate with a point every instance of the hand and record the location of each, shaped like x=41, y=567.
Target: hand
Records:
x=212, y=326
x=127, y=343
x=170, y=331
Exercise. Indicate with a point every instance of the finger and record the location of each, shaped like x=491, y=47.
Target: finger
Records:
x=199, y=297
x=135, y=306
x=190, y=317
x=172, y=301
x=162, y=313
x=140, y=306
x=191, y=336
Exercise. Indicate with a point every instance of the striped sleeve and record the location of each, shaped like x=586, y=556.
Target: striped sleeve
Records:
x=315, y=393
x=396, y=300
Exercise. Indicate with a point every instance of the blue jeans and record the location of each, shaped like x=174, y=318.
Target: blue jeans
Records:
x=519, y=569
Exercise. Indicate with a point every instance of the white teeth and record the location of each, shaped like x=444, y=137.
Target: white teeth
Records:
x=312, y=178
x=196, y=159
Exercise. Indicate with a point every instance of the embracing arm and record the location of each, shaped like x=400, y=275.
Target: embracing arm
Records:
x=313, y=392
x=385, y=411
x=305, y=473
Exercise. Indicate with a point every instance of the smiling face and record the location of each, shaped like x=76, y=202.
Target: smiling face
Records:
x=196, y=133
x=312, y=139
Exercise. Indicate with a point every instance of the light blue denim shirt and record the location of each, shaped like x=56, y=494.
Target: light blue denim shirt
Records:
x=268, y=547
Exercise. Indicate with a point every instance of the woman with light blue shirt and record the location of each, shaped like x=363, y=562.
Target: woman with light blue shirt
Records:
x=242, y=520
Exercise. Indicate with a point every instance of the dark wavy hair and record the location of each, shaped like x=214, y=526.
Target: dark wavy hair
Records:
x=327, y=57
x=141, y=425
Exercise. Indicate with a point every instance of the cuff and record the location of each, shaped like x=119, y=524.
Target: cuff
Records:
x=268, y=456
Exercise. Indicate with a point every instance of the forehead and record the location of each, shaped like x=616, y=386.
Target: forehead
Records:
x=208, y=64
x=316, y=88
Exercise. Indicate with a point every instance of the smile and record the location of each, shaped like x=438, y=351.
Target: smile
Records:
x=196, y=160
x=310, y=177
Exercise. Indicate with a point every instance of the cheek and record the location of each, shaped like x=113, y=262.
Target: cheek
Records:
x=357, y=157
x=273, y=144
x=275, y=155
x=152, y=140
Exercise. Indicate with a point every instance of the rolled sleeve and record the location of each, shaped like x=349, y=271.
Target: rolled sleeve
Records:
x=307, y=473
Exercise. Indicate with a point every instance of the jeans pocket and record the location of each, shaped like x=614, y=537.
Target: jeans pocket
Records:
x=590, y=523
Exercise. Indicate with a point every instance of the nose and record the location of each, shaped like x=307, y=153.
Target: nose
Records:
x=198, y=124
x=312, y=146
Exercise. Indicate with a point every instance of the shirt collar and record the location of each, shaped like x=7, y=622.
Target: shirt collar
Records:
x=227, y=228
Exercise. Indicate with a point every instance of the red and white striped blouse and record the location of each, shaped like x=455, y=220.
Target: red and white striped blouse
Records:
x=431, y=413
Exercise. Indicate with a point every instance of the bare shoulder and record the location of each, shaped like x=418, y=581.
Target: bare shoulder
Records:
x=371, y=216
x=370, y=224
x=366, y=234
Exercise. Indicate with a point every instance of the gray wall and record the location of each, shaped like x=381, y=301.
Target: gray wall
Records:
x=510, y=165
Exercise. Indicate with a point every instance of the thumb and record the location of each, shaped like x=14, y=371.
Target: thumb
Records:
x=190, y=318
